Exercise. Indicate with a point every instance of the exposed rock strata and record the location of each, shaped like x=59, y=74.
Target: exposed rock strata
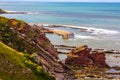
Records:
x=84, y=56
x=35, y=42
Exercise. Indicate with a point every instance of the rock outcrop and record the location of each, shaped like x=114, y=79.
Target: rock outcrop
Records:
x=11, y=12
x=2, y=11
x=84, y=56
x=63, y=33
x=25, y=38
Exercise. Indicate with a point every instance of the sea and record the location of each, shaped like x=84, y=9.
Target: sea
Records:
x=94, y=24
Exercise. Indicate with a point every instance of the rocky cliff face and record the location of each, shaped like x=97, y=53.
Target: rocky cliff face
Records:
x=34, y=34
x=22, y=37
x=84, y=56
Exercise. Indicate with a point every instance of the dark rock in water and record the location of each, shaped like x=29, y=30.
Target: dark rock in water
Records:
x=112, y=51
x=2, y=11
x=8, y=12
x=84, y=56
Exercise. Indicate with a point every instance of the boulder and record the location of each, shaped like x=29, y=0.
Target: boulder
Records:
x=84, y=56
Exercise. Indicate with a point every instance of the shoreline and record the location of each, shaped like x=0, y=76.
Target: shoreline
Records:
x=85, y=33
x=69, y=48
x=81, y=28
x=51, y=29
x=11, y=12
x=63, y=45
x=65, y=34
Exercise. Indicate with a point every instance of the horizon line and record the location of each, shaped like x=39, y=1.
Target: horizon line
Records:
x=69, y=1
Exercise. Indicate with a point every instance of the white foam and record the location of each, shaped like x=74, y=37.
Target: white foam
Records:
x=16, y=12
x=102, y=31
x=83, y=37
x=95, y=30
x=32, y=12
x=88, y=29
x=10, y=11
x=45, y=24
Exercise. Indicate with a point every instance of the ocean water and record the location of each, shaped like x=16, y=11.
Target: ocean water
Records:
x=100, y=20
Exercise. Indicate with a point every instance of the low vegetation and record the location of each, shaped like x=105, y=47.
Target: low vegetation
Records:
x=15, y=65
x=16, y=58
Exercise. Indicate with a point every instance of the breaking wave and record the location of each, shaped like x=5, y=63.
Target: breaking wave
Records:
x=94, y=30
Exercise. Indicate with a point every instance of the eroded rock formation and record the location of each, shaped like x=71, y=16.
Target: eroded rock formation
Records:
x=34, y=42
x=84, y=56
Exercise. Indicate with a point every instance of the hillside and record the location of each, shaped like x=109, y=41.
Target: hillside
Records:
x=15, y=65
x=31, y=41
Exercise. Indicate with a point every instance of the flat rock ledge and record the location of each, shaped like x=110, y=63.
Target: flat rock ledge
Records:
x=50, y=29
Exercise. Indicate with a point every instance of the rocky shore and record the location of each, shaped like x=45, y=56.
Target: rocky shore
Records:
x=91, y=64
x=32, y=41
x=84, y=56
x=11, y=12
x=69, y=48
x=65, y=34
x=81, y=62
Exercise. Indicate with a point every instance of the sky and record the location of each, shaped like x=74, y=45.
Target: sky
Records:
x=67, y=0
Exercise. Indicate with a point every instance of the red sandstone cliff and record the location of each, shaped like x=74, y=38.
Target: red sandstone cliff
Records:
x=31, y=40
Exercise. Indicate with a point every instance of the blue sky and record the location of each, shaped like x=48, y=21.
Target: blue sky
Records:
x=68, y=0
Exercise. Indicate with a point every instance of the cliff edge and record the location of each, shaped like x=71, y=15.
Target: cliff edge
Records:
x=24, y=38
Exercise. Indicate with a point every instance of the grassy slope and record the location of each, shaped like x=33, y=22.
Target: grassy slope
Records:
x=13, y=64
x=16, y=66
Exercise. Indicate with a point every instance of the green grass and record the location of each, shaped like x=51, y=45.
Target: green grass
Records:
x=15, y=65
x=17, y=61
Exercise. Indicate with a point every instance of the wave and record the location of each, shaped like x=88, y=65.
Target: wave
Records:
x=102, y=31
x=94, y=30
x=78, y=36
x=16, y=12
x=32, y=13
x=10, y=11
x=26, y=12
x=21, y=12
x=89, y=32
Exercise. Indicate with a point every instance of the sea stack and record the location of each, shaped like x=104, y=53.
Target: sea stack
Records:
x=84, y=56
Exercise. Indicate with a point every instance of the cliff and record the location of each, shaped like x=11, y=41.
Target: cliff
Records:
x=20, y=36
